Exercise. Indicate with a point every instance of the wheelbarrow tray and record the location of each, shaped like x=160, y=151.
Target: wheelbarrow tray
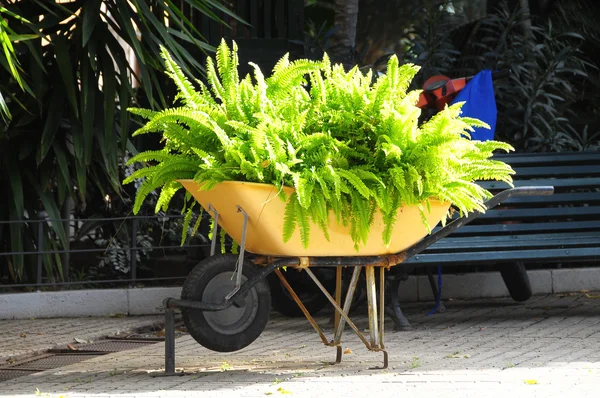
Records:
x=265, y=210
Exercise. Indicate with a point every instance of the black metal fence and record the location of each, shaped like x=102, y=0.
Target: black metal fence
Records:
x=131, y=248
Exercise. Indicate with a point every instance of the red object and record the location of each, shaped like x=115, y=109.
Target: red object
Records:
x=440, y=90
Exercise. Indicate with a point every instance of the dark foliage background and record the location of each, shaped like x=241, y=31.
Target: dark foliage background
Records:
x=551, y=100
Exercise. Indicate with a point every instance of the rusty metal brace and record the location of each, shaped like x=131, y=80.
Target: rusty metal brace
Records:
x=240, y=263
x=376, y=334
x=215, y=230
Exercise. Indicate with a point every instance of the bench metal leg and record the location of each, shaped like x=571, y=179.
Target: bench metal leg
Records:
x=435, y=290
x=401, y=323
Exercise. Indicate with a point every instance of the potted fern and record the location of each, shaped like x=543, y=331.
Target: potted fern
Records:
x=346, y=155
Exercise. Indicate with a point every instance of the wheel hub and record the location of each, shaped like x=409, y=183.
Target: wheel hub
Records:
x=236, y=318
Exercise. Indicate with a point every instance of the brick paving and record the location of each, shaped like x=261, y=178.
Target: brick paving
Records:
x=546, y=347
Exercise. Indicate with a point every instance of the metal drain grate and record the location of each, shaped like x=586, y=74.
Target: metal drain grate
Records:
x=113, y=345
x=52, y=361
x=7, y=374
x=60, y=357
x=41, y=363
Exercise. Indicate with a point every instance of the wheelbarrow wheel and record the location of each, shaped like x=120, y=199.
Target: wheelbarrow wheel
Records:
x=235, y=327
x=516, y=281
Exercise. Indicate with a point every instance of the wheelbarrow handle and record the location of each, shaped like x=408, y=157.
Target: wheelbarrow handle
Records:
x=493, y=202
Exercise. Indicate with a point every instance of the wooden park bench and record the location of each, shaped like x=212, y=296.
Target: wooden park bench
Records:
x=564, y=227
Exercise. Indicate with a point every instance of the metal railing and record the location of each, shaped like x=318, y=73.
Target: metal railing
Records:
x=132, y=249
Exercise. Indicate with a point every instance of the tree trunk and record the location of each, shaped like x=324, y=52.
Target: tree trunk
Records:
x=343, y=41
x=527, y=29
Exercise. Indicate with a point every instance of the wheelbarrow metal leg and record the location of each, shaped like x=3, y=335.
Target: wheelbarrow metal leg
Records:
x=169, y=346
x=381, y=306
x=382, y=316
x=372, y=306
x=338, y=296
x=347, y=304
x=302, y=307
x=376, y=324
x=169, y=341
x=337, y=308
x=338, y=354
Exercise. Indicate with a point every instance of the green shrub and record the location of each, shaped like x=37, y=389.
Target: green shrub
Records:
x=345, y=144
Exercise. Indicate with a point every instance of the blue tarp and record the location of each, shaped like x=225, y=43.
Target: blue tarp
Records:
x=480, y=104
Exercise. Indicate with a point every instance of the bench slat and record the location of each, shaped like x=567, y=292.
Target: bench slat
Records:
x=530, y=214
x=550, y=158
x=452, y=240
x=512, y=255
x=496, y=229
x=557, y=183
x=469, y=245
x=523, y=173
x=556, y=199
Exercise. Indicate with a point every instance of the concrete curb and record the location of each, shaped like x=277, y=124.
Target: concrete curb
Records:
x=147, y=301
x=77, y=303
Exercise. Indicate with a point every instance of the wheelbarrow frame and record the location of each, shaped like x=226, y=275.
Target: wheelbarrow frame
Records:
x=376, y=311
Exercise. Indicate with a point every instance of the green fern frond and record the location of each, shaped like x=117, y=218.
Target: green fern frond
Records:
x=290, y=218
x=166, y=194
x=145, y=113
x=320, y=213
x=186, y=91
x=389, y=219
x=149, y=156
x=186, y=223
x=224, y=64
x=282, y=64
x=290, y=75
x=139, y=174
x=356, y=182
x=213, y=80
x=303, y=221
x=304, y=185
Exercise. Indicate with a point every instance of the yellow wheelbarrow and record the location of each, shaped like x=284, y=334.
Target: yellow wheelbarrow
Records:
x=225, y=301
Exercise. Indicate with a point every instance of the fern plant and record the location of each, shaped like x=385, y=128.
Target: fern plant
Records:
x=347, y=145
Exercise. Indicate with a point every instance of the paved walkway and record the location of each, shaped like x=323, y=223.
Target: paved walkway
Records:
x=24, y=338
x=547, y=347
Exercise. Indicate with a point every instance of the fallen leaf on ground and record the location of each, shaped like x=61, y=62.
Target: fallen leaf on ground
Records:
x=283, y=391
x=23, y=335
x=70, y=347
x=81, y=341
x=531, y=381
x=347, y=351
x=592, y=296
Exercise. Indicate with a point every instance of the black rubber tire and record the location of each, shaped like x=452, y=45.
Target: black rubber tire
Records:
x=313, y=299
x=211, y=329
x=516, y=280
